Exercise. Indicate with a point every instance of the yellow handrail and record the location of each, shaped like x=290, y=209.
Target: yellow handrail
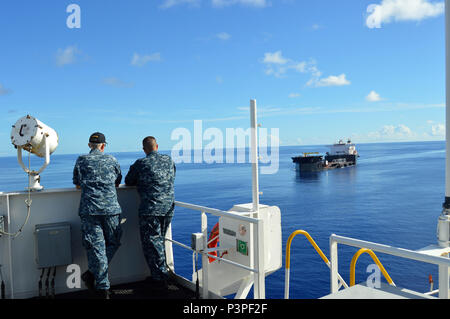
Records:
x=313, y=243
x=375, y=259
x=288, y=258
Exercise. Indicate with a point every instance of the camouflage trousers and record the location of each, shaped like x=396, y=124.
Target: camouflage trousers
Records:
x=153, y=230
x=101, y=239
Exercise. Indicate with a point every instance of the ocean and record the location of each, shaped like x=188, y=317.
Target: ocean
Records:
x=393, y=196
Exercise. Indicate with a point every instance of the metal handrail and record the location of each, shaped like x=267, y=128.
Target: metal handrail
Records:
x=442, y=262
x=258, y=264
x=375, y=259
x=288, y=258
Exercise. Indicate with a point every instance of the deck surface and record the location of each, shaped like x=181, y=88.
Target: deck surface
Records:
x=136, y=290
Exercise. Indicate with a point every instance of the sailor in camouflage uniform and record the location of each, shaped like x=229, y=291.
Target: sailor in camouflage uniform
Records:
x=154, y=177
x=98, y=175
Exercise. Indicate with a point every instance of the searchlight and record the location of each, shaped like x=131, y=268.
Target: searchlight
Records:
x=35, y=137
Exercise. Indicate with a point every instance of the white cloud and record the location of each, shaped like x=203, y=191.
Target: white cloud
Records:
x=278, y=66
x=294, y=95
x=3, y=90
x=438, y=130
x=141, y=60
x=373, y=97
x=274, y=58
x=66, y=56
x=392, y=132
x=116, y=82
x=332, y=80
x=171, y=3
x=251, y=3
x=402, y=10
x=223, y=36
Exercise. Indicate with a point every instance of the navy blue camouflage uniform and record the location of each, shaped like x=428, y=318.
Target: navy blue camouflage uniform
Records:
x=154, y=177
x=98, y=175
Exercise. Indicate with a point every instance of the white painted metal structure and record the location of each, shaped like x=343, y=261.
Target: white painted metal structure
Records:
x=17, y=255
x=431, y=254
x=443, y=232
x=343, y=149
x=257, y=226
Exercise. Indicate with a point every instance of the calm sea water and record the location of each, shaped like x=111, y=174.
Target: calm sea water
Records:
x=393, y=196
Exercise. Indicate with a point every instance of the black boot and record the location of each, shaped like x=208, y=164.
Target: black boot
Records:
x=102, y=294
x=89, y=280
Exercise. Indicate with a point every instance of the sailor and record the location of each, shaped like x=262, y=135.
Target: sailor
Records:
x=97, y=175
x=154, y=177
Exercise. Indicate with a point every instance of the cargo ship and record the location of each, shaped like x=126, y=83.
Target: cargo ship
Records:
x=340, y=155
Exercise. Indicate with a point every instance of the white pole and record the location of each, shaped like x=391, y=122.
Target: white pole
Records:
x=205, y=259
x=447, y=91
x=254, y=155
x=334, y=279
x=443, y=230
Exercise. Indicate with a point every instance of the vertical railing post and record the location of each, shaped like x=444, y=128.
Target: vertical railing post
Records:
x=443, y=282
x=254, y=155
x=447, y=93
x=334, y=279
x=205, y=260
x=258, y=239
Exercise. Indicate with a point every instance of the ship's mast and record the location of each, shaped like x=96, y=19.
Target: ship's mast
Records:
x=444, y=219
x=447, y=91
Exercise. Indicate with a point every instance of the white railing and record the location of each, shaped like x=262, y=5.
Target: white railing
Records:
x=258, y=239
x=442, y=262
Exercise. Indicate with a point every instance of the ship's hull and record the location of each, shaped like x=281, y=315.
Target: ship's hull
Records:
x=318, y=163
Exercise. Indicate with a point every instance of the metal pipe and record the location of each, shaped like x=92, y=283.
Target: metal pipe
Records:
x=216, y=212
x=254, y=155
x=288, y=259
x=447, y=113
x=443, y=229
x=375, y=259
x=400, y=252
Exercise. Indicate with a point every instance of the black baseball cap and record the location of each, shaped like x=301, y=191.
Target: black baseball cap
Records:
x=98, y=138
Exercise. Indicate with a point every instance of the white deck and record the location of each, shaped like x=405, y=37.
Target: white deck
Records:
x=361, y=291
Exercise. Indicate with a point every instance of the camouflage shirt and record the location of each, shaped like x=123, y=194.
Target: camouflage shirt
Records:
x=154, y=177
x=98, y=175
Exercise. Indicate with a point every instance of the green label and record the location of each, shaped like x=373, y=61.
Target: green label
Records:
x=241, y=247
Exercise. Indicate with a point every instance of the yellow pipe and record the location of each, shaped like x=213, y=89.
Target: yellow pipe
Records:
x=375, y=259
x=313, y=243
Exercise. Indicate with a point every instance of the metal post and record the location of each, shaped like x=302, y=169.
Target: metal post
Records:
x=447, y=91
x=205, y=260
x=254, y=155
x=443, y=282
x=334, y=279
x=258, y=239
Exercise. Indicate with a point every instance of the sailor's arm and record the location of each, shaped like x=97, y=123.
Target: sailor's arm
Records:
x=76, y=177
x=119, y=174
x=131, y=178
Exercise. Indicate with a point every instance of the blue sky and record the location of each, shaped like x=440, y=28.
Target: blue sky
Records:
x=320, y=70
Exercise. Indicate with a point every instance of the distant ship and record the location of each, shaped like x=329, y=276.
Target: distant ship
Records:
x=340, y=155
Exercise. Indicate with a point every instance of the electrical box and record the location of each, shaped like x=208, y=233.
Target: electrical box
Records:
x=197, y=241
x=53, y=245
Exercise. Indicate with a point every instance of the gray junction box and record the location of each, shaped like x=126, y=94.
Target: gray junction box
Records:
x=52, y=245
